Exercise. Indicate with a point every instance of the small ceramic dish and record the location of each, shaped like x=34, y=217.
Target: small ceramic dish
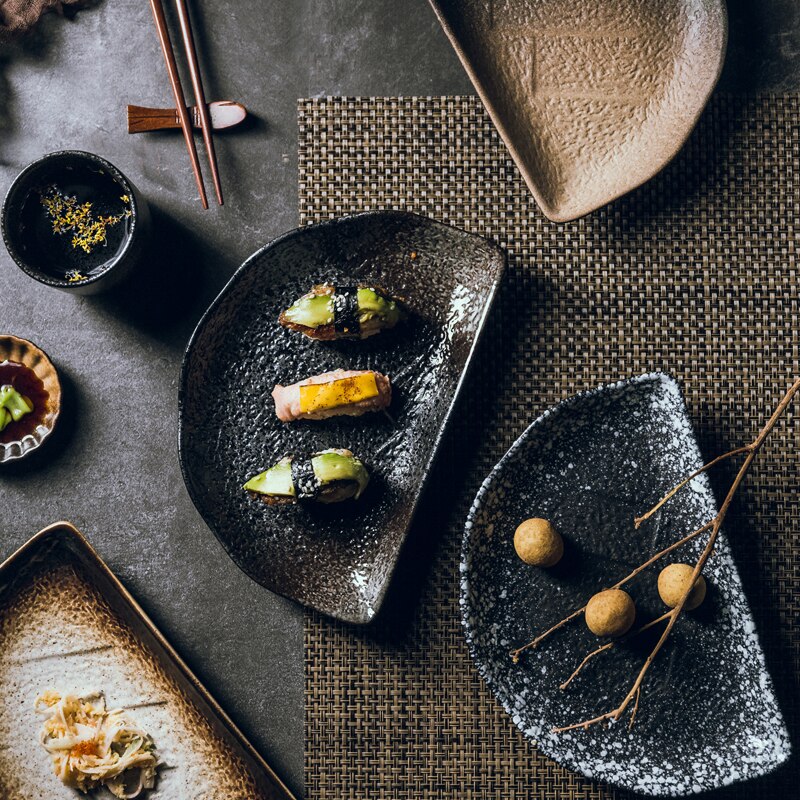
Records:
x=73, y=221
x=21, y=438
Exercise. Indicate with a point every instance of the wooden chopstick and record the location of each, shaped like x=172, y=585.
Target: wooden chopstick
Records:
x=177, y=90
x=199, y=95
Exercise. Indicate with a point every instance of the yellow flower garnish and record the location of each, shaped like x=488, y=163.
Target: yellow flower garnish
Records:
x=68, y=216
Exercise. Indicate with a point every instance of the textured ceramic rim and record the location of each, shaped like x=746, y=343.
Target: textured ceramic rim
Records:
x=530, y=179
x=478, y=502
x=13, y=451
x=502, y=261
x=96, y=563
x=17, y=185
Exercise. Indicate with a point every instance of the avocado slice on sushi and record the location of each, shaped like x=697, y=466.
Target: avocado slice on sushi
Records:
x=330, y=312
x=326, y=477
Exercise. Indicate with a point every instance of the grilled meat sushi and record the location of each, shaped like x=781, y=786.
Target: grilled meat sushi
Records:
x=332, y=394
x=329, y=476
x=342, y=312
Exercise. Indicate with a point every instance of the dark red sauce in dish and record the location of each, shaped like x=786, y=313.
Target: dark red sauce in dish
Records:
x=27, y=383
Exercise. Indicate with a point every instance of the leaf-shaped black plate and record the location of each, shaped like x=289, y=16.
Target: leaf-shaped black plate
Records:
x=337, y=559
x=708, y=715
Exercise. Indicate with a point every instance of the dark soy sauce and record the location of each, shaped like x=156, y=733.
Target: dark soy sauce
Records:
x=53, y=253
x=27, y=383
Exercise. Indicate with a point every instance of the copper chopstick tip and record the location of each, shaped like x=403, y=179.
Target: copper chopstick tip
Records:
x=180, y=104
x=199, y=94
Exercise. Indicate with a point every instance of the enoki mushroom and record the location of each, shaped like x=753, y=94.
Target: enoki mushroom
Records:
x=90, y=746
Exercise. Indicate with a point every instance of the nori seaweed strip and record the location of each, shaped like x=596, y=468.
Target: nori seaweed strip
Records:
x=306, y=484
x=345, y=310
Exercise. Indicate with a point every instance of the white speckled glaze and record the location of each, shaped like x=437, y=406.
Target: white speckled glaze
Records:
x=708, y=714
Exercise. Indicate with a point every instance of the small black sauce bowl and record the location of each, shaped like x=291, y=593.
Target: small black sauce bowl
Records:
x=20, y=239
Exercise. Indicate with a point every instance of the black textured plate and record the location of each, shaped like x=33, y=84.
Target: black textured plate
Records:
x=337, y=559
x=708, y=715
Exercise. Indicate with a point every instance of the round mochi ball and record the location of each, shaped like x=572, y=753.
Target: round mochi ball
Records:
x=538, y=543
x=673, y=582
x=610, y=613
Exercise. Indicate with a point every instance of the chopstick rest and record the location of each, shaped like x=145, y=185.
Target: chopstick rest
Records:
x=223, y=113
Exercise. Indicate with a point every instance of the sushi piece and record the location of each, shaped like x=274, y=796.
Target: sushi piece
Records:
x=332, y=394
x=326, y=477
x=342, y=312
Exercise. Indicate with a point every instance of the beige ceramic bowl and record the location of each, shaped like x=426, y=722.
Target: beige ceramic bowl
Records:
x=12, y=348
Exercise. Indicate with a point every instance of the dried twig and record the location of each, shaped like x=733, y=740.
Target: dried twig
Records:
x=635, y=707
x=609, y=645
x=672, y=616
x=675, y=489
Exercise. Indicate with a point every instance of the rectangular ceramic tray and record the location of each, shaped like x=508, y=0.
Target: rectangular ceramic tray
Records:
x=68, y=624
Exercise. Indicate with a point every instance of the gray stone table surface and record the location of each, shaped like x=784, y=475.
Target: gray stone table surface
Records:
x=113, y=470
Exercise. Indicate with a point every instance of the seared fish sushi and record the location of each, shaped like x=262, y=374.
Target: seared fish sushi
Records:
x=332, y=394
x=326, y=477
x=342, y=312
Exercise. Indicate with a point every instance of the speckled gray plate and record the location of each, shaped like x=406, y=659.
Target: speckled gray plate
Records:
x=337, y=559
x=708, y=716
x=68, y=624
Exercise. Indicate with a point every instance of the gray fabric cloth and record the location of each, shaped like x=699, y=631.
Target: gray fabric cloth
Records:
x=18, y=16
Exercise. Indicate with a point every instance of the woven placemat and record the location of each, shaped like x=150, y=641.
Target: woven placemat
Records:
x=695, y=273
